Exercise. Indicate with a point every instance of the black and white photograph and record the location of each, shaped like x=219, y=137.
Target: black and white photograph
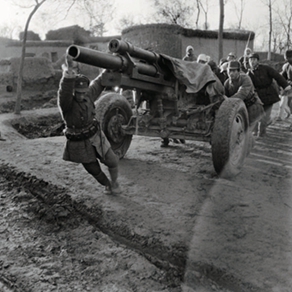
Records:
x=146, y=146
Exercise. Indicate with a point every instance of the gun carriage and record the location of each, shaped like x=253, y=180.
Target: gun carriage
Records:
x=173, y=99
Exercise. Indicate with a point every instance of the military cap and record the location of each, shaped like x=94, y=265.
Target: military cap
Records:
x=189, y=48
x=202, y=58
x=233, y=65
x=254, y=55
x=224, y=66
x=288, y=53
x=248, y=51
x=231, y=55
x=81, y=83
x=222, y=61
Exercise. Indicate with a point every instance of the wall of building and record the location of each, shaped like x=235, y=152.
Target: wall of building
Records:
x=37, y=71
x=53, y=50
x=160, y=38
x=173, y=40
x=166, y=39
x=209, y=46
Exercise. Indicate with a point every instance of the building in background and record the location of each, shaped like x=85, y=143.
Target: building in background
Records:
x=166, y=39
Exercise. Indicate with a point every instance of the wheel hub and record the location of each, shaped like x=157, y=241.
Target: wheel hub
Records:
x=237, y=140
x=114, y=128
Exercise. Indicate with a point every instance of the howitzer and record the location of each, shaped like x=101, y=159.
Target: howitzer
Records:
x=141, y=67
x=173, y=99
x=121, y=47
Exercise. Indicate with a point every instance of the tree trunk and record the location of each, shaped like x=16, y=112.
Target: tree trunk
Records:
x=21, y=65
x=270, y=31
x=220, y=31
x=198, y=14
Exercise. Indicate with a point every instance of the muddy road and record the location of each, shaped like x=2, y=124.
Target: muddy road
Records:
x=177, y=226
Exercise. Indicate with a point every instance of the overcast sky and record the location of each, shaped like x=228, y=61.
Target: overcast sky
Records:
x=255, y=15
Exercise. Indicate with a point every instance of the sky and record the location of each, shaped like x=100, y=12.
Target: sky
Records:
x=255, y=15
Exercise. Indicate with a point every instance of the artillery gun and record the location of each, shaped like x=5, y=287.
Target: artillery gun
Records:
x=173, y=99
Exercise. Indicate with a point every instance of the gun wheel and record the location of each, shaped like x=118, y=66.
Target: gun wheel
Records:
x=230, y=138
x=113, y=111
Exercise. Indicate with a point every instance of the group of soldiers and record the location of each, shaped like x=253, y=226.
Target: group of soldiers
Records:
x=255, y=83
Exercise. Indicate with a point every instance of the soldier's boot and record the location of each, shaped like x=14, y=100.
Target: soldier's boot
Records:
x=103, y=180
x=255, y=129
x=165, y=142
x=115, y=188
x=263, y=131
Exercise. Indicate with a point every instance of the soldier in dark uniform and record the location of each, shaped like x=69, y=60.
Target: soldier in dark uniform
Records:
x=263, y=77
x=239, y=85
x=86, y=142
x=217, y=71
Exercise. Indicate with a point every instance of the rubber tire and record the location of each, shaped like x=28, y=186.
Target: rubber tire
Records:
x=230, y=138
x=107, y=107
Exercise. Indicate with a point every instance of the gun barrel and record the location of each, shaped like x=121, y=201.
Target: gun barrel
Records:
x=107, y=61
x=121, y=47
x=96, y=58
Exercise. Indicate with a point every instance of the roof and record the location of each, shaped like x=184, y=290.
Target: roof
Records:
x=213, y=34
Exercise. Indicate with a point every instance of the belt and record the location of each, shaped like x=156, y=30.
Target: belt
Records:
x=85, y=133
x=250, y=101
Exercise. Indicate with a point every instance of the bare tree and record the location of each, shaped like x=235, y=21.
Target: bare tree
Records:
x=37, y=4
x=198, y=13
x=8, y=30
x=220, y=30
x=239, y=10
x=21, y=65
x=127, y=21
x=284, y=18
x=271, y=28
x=204, y=5
x=278, y=38
x=269, y=4
x=175, y=12
x=99, y=13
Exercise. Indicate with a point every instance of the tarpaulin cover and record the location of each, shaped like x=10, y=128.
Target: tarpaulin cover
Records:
x=192, y=74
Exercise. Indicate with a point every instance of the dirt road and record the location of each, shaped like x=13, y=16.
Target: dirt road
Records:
x=181, y=225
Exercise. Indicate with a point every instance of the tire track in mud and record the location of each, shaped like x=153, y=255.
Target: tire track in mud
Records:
x=56, y=205
x=171, y=259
